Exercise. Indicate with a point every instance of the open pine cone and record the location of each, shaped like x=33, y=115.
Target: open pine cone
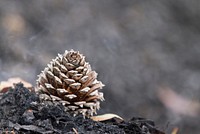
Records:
x=68, y=79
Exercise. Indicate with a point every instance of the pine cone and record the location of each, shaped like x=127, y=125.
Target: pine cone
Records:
x=68, y=79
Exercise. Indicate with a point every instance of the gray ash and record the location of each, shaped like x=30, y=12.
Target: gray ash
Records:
x=22, y=112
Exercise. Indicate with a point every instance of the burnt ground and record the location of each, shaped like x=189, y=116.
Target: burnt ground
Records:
x=22, y=112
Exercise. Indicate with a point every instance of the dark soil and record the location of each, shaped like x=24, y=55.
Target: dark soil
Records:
x=22, y=112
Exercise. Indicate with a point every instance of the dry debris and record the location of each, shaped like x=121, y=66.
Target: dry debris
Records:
x=106, y=117
x=5, y=85
x=177, y=103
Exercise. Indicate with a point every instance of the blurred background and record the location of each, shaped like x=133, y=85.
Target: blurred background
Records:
x=145, y=52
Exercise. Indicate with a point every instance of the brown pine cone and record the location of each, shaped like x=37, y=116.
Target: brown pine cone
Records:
x=68, y=79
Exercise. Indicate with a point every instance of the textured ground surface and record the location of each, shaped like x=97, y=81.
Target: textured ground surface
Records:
x=137, y=47
x=22, y=112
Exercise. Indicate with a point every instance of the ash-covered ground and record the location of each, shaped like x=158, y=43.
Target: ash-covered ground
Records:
x=137, y=47
x=21, y=112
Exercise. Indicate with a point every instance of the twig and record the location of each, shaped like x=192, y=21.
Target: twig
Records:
x=76, y=132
